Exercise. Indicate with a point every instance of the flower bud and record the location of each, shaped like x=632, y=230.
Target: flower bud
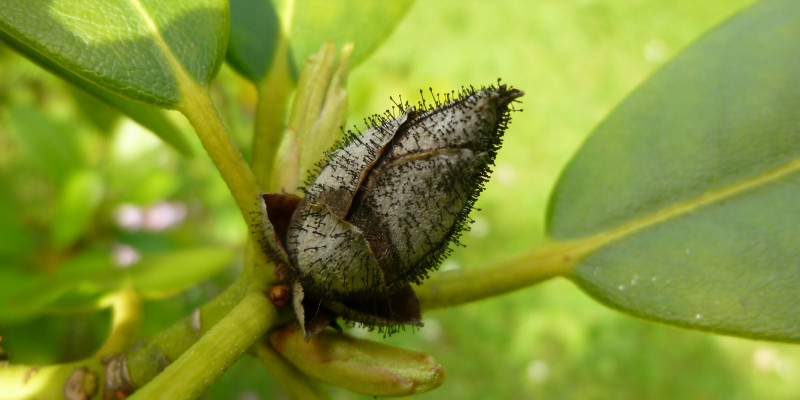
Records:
x=358, y=365
x=385, y=206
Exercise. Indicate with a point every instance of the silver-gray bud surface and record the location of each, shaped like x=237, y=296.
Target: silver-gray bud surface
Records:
x=385, y=206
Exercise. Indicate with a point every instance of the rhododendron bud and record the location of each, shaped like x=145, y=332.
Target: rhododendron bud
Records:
x=384, y=208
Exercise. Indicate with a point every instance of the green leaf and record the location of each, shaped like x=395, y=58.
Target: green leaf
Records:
x=52, y=144
x=146, y=50
x=13, y=283
x=75, y=208
x=82, y=282
x=17, y=241
x=157, y=276
x=77, y=285
x=364, y=23
x=256, y=29
x=152, y=118
x=686, y=196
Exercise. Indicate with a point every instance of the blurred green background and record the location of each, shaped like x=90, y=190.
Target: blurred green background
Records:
x=574, y=59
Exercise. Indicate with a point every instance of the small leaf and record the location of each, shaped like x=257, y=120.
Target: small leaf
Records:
x=13, y=282
x=52, y=144
x=141, y=49
x=358, y=365
x=17, y=241
x=82, y=282
x=77, y=285
x=687, y=194
x=75, y=207
x=161, y=275
x=256, y=30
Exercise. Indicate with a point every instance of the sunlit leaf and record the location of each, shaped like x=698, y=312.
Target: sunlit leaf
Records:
x=141, y=49
x=689, y=190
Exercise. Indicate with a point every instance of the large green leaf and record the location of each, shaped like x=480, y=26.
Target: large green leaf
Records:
x=688, y=195
x=256, y=27
x=142, y=49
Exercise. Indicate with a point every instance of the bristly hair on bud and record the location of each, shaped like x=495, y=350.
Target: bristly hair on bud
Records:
x=384, y=207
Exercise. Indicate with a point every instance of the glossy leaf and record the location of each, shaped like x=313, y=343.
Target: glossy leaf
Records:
x=688, y=192
x=141, y=49
x=256, y=27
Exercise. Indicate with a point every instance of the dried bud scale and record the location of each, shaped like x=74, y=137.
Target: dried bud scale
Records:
x=385, y=206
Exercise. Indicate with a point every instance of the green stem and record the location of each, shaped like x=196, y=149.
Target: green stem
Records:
x=295, y=384
x=142, y=363
x=205, y=361
x=451, y=288
x=200, y=112
x=145, y=361
x=126, y=321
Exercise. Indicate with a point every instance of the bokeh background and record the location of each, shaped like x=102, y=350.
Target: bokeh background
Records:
x=574, y=59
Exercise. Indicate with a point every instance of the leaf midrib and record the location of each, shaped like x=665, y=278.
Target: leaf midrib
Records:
x=187, y=86
x=584, y=247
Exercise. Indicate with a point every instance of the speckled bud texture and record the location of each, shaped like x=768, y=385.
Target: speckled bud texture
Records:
x=385, y=206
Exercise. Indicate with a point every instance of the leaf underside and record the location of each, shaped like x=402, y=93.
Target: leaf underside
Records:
x=688, y=192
